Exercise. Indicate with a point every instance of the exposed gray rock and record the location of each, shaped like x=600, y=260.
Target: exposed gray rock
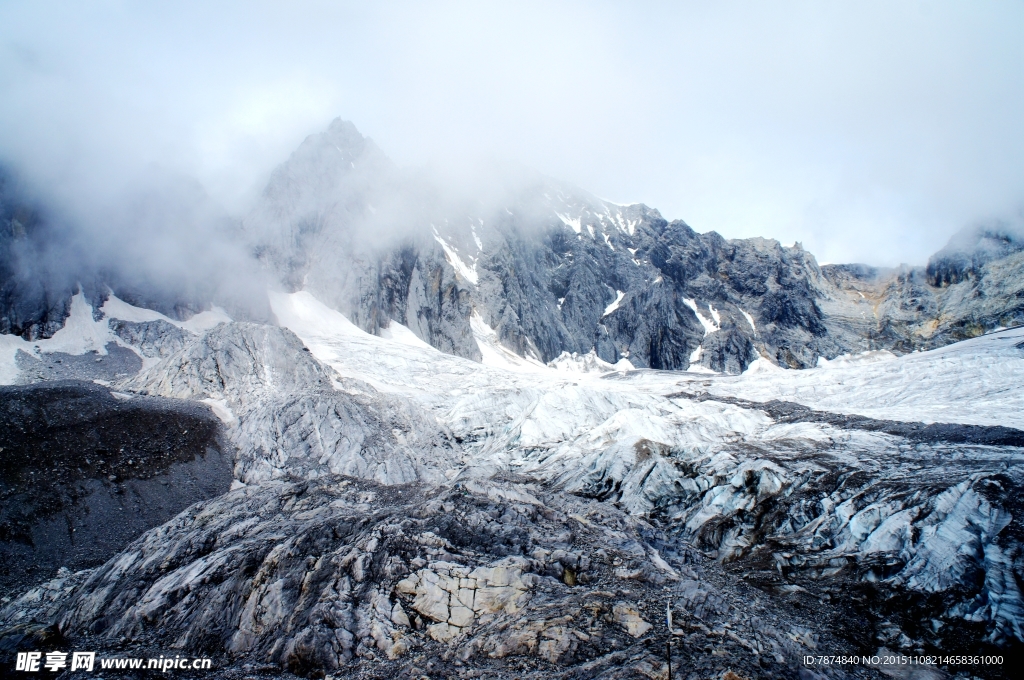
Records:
x=914, y=308
x=152, y=339
x=948, y=433
x=971, y=249
x=117, y=364
x=847, y=513
x=345, y=577
x=287, y=418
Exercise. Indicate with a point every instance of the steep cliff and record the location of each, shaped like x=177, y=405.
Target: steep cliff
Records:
x=552, y=269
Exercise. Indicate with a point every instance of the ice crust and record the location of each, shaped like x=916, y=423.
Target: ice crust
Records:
x=823, y=505
x=975, y=381
x=715, y=468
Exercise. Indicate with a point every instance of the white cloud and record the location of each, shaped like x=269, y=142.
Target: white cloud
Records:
x=868, y=131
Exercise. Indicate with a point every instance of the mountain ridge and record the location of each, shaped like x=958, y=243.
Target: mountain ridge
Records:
x=556, y=259
x=551, y=269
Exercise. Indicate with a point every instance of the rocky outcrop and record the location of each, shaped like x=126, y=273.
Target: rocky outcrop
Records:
x=973, y=285
x=970, y=250
x=343, y=576
x=151, y=339
x=550, y=268
x=818, y=510
x=455, y=598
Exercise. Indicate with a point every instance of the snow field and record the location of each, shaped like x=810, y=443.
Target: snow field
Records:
x=82, y=333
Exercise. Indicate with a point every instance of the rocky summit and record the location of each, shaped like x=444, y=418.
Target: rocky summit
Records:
x=513, y=431
x=555, y=270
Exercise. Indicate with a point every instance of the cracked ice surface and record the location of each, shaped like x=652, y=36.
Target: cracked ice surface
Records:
x=976, y=382
x=832, y=502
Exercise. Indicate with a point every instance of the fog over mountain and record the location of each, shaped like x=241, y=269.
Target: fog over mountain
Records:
x=347, y=342
x=869, y=133
x=551, y=268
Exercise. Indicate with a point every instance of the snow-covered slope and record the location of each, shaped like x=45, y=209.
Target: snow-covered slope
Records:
x=914, y=535
x=977, y=381
x=118, y=324
x=729, y=477
x=288, y=415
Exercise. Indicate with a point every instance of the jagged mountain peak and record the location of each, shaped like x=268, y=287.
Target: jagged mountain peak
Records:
x=973, y=247
x=340, y=135
x=324, y=167
x=550, y=268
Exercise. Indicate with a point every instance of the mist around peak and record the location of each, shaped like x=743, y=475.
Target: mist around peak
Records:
x=159, y=241
x=973, y=247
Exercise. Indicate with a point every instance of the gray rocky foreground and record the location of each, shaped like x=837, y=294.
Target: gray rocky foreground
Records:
x=482, y=579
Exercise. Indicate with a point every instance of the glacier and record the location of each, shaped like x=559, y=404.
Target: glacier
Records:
x=577, y=487
x=505, y=439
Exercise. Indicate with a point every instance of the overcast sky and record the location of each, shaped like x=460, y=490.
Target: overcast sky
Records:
x=870, y=131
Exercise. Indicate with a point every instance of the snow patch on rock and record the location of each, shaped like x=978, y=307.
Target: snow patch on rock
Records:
x=614, y=304
x=463, y=270
x=710, y=325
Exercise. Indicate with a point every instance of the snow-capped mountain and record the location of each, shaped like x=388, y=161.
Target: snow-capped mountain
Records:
x=553, y=269
x=454, y=446
x=548, y=267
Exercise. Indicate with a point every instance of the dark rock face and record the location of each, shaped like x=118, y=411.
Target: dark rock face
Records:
x=83, y=472
x=418, y=289
x=35, y=292
x=907, y=309
x=46, y=257
x=552, y=269
x=542, y=268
